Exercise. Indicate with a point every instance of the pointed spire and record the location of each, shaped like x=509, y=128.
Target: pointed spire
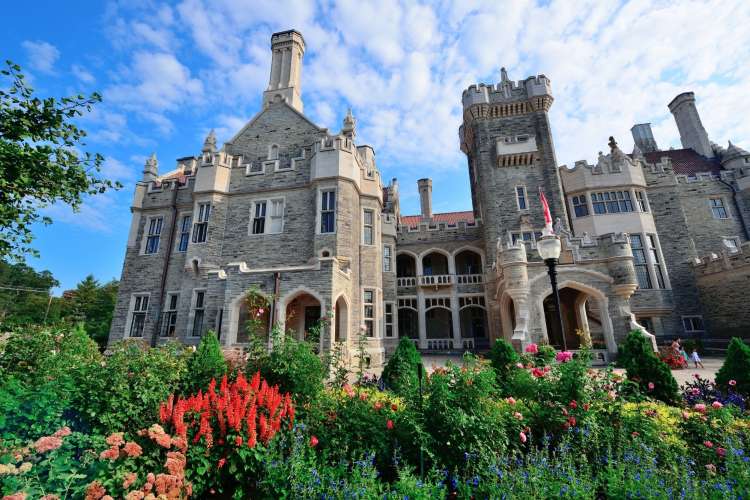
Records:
x=151, y=168
x=209, y=145
x=350, y=124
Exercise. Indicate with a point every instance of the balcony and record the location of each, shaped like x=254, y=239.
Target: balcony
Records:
x=406, y=282
x=436, y=280
x=469, y=279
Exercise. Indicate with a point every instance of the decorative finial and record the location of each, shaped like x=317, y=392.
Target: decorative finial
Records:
x=503, y=75
x=151, y=168
x=209, y=145
x=350, y=123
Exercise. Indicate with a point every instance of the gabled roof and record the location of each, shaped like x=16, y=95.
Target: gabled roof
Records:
x=447, y=218
x=686, y=161
x=260, y=113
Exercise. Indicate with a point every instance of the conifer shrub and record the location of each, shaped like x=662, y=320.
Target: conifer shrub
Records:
x=205, y=364
x=736, y=368
x=652, y=375
x=503, y=358
x=400, y=373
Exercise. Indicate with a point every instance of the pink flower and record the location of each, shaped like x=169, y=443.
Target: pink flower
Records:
x=635, y=434
x=700, y=407
x=695, y=391
x=389, y=424
x=651, y=386
x=313, y=441
x=685, y=415
x=65, y=431
x=378, y=406
x=130, y=478
x=519, y=365
x=711, y=468
x=732, y=382
x=518, y=415
x=115, y=439
x=532, y=349
x=536, y=372
x=132, y=449
x=708, y=444
x=47, y=443
x=510, y=400
x=522, y=435
x=721, y=451
x=348, y=390
x=564, y=356
x=716, y=405
x=221, y=463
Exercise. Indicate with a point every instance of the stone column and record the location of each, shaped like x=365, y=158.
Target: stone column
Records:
x=455, y=317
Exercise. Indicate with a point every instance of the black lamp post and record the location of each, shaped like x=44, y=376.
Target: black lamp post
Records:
x=549, y=249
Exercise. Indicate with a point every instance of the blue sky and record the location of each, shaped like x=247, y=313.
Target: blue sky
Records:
x=169, y=72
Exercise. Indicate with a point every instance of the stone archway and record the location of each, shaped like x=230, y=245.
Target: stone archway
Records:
x=577, y=302
x=299, y=310
x=341, y=320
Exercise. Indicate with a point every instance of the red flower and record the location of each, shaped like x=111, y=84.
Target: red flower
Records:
x=394, y=407
x=635, y=433
x=708, y=444
x=721, y=451
x=221, y=463
x=586, y=406
x=238, y=441
x=572, y=421
x=650, y=386
x=573, y=404
x=389, y=424
x=313, y=441
x=378, y=406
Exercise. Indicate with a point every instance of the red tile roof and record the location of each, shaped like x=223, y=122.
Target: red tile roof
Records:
x=686, y=161
x=447, y=218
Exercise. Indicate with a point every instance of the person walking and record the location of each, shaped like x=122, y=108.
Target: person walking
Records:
x=696, y=358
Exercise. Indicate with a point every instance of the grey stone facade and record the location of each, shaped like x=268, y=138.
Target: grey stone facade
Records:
x=288, y=208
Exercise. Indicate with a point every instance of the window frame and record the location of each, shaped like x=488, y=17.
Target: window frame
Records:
x=642, y=252
x=389, y=304
x=368, y=320
x=324, y=194
x=691, y=318
x=194, y=309
x=136, y=308
x=268, y=217
x=521, y=195
x=169, y=316
x=579, y=201
x=150, y=236
x=721, y=207
x=642, y=201
x=388, y=258
x=200, y=222
x=370, y=226
x=184, y=233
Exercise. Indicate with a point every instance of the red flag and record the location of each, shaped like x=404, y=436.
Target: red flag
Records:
x=547, y=215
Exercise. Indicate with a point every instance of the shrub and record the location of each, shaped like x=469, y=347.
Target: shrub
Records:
x=400, y=373
x=294, y=366
x=124, y=391
x=503, y=358
x=736, y=367
x=644, y=367
x=205, y=364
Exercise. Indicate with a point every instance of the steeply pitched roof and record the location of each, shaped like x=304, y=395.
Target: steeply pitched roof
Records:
x=686, y=161
x=447, y=218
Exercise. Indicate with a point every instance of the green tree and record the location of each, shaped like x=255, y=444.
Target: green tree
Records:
x=205, y=364
x=503, y=359
x=400, y=373
x=652, y=375
x=40, y=159
x=736, y=367
x=25, y=294
x=93, y=305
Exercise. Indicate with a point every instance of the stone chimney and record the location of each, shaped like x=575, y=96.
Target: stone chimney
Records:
x=425, y=197
x=692, y=133
x=644, y=137
x=287, y=50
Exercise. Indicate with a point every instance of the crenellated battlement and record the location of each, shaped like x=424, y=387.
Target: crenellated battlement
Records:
x=725, y=260
x=507, y=91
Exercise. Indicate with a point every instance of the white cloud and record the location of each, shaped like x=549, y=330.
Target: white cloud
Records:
x=82, y=74
x=41, y=55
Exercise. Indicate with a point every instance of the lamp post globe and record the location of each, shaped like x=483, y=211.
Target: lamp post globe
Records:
x=549, y=248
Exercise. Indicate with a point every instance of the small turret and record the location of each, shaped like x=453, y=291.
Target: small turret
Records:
x=735, y=158
x=349, y=128
x=151, y=169
x=425, y=197
x=287, y=51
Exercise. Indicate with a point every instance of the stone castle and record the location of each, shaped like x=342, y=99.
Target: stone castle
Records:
x=655, y=239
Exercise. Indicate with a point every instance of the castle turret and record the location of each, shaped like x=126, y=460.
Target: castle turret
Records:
x=288, y=48
x=425, y=197
x=644, y=137
x=692, y=133
x=349, y=128
x=736, y=158
x=151, y=169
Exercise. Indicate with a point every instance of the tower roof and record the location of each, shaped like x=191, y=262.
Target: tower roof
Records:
x=686, y=161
